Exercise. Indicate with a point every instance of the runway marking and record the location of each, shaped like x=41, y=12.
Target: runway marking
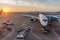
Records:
x=36, y=35
x=32, y=32
x=56, y=34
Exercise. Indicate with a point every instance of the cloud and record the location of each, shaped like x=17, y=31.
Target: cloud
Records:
x=9, y=2
x=23, y=3
x=27, y=3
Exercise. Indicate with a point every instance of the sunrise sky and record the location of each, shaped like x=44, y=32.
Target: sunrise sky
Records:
x=31, y=5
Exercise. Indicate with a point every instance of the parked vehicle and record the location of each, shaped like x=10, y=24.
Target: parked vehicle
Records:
x=23, y=33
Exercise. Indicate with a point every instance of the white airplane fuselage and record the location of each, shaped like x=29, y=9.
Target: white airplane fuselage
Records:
x=43, y=20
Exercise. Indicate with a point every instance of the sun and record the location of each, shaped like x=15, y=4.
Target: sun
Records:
x=6, y=9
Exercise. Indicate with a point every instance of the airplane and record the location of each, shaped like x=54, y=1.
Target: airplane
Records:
x=44, y=21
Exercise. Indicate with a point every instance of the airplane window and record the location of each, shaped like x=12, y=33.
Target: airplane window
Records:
x=45, y=20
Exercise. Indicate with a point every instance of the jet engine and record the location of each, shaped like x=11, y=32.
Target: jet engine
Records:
x=33, y=19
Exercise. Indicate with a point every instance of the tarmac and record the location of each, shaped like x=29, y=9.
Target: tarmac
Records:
x=21, y=22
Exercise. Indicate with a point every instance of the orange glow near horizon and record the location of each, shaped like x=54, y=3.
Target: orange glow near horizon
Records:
x=6, y=11
x=11, y=9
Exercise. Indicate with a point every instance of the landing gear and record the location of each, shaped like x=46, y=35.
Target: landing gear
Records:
x=45, y=30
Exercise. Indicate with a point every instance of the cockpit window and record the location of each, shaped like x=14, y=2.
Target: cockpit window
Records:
x=45, y=20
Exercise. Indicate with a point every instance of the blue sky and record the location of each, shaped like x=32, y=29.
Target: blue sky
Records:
x=37, y=4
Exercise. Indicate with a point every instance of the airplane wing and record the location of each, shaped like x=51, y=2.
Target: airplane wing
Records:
x=52, y=15
x=30, y=16
x=56, y=17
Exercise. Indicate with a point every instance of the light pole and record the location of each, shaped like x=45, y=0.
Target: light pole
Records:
x=1, y=11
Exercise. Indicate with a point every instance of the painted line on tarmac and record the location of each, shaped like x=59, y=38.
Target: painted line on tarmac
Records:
x=36, y=35
x=9, y=35
x=56, y=34
x=31, y=27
